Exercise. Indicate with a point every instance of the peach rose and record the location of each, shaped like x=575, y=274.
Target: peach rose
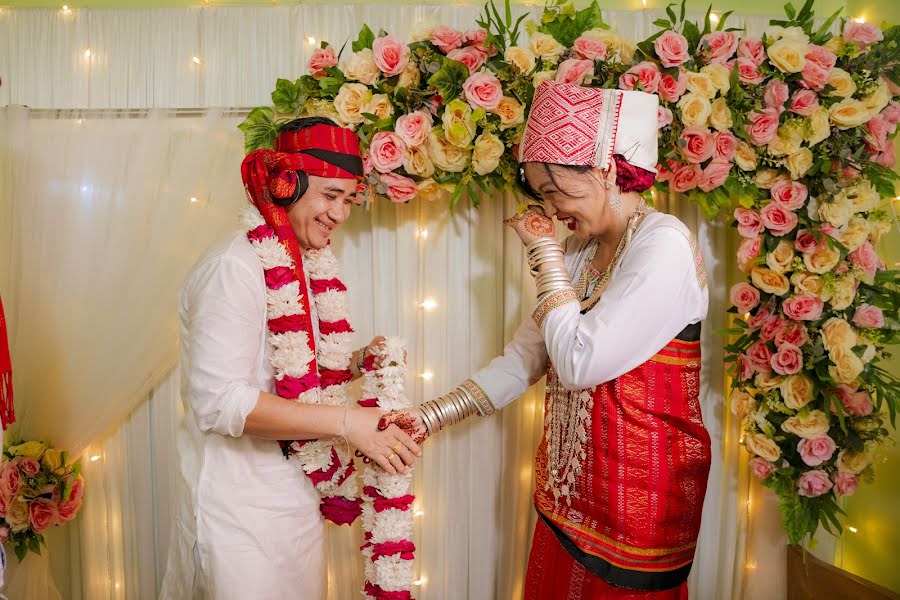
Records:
x=413, y=128
x=695, y=110
x=17, y=514
x=701, y=83
x=444, y=155
x=671, y=89
x=321, y=59
x=747, y=252
x=769, y=281
x=589, y=49
x=399, y=188
x=471, y=56
x=672, y=49
x=575, y=70
x=797, y=390
x=744, y=156
x=487, y=153
x=809, y=425
x=788, y=54
x=644, y=75
x=522, y=59
x=720, y=118
x=842, y=82
x=847, y=366
x=852, y=462
x=799, y=162
x=837, y=333
x=848, y=113
x=742, y=404
x=511, y=112
x=813, y=483
x=351, y=101
x=387, y=151
x=362, y=67
x=781, y=257
x=483, y=90
x=546, y=47
x=843, y=292
x=417, y=161
x=803, y=307
x=856, y=233
x=762, y=446
x=446, y=38
x=868, y=317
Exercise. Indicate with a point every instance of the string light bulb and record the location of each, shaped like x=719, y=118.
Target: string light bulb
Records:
x=713, y=18
x=429, y=304
x=95, y=458
x=422, y=233
x=644, y=4
x=427, y=375
x=853, y=529
x=66, y=10
x=196, y=60
x=420, y=581
x=87, y=53
x=419, y=513
x=860, y=19
x=311, y=40
x=194, y=200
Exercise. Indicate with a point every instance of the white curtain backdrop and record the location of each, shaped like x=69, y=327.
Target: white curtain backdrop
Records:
x=106, y=210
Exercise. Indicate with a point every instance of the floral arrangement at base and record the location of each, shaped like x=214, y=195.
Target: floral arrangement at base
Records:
x=387, y=501
x=39, y=489
x=791, y=133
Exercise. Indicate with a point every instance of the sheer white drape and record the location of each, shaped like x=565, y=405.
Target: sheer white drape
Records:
x=102, y=230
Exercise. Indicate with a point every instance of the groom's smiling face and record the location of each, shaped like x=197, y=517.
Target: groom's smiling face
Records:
x=322, y=207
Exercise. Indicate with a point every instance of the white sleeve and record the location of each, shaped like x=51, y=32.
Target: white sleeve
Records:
x=523, y=362
x=223, y=303
x=657, y=290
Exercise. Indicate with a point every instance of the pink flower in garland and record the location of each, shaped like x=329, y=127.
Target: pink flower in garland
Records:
x=813, y=483
x=718, y=46
x=777, y=220
x=671, y=89
x=761, y=468
x=321, y=59
x=763, y=126
x=804, y=102
x=589, y=49
x=792, y=332
x=760, y=356
x=714, y=175
x=815, y=451
x=868, y=317
x=447, y=38
x=790, y=195
x=845, y=484
x=644, y=75
x=471, y=56
x=748, y=222
x=752, y=49
x=862, y=34
x=744, y=297
x=399, y=188
x=697, y=144
x=803, y=307
x=672, y=49
x=787, y=360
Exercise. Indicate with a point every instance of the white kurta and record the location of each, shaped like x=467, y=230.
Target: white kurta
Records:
x=656, y=290
x=247, y=522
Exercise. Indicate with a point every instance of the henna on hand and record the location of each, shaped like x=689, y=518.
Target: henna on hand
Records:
x=407, y=423
x=538, y=225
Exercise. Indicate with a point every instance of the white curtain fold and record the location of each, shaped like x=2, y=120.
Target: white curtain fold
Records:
x=105, y=212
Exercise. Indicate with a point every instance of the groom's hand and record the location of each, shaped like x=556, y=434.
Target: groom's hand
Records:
x=391, y=448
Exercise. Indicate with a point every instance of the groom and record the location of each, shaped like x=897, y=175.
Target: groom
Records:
x=265, y=357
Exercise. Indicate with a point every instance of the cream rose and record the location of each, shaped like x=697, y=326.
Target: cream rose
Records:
x=837, y=212
x=855, y=234
x=430, y=190
x=847, y=365
x=779, y=259
x=542, y=76
x=351, y=101
x=695, y=109
x=842, y=82
x=797, y=390
x=745, y=156
x=838, y=333
x=511, y=112
x=522, y=59
x=807, y=426
x=863, y=197
x=808, y=283
x=546, y=47
x=444, y=155
x=17, y=515
x=820, y=126
x=799, y=162
x=721, y=120
x=417, y=162
x=742, y=404
x=380, y=106
x=782, y=145
x=766, y=381
x=788, y=54
x=488, y=151
x=848, y=113
x=876, y=101
x=362, y=67
x=701, y=83
x=853, y=462
x=822, y=260
x=411, y=76
x=766, y=178
x=720, y=76
x=769, y=281
x=763, y=446
x=843, y=292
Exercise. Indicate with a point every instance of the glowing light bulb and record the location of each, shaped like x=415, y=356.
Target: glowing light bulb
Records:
x=87, y=53
x=429, y=304
x=311, y=40
x=95, y=458
x=419, y=513
x=427, y=375
x=66, y=9
x=420, y=581
x=196, y=60
x=860, y=19
x=853, y=529
x=193, y=200
x=422, y=233
x=714, y=18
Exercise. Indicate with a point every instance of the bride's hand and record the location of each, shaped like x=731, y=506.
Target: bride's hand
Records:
x=389, y=446
x=531, y=225
x=409, y=421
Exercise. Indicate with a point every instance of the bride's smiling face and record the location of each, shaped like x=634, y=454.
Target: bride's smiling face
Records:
x=576, y=196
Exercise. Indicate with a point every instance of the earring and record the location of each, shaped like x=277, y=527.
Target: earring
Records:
x=615, y=201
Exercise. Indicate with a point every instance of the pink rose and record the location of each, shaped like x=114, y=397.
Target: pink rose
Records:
x=868, y=317
x=856, y=402
x=4, y=508
x=891, y=113
x=806, y=242
x=671, y=89
x=803, y=307
x=790, y=195
x=391, y=56
x=725, y=145
x=10, y=479
x=663, y=117
x=747, y=251
x=763, y=126
x=865, y=258
x=887, y=158
x=589, y=49
x=787, y=360
x=804, y=102
x=814, y=76
x=748, y=71
x=663, y=172
x=821, y=57
x=434, y=104
x=686, y=178
x=368, y=167
x=718, y=46
x=413, y=128
x=68, y=510
x=30, y=467
x=698, y=144
x=792, y=332
x=446, y=38
x=387, y=151
x=751, y=49
x=777, y=220
x=399, y=188
x=761, y=468
x=320, y=60
x=776, y=94
x=477, y=36
x=672, y=49
x=877, y=134
x=862, y=34
x=575, y=70
x=744, y=368
x=749, y=223
x=42, y=514
x=815, y=451
x=471, y=56
x=644, y=74
x=762, y=316
x=813, y=483
x=845, y=483
x=483, y=90
x=771, y=327
x=760, y=356
x=77, y=491
x=714, y=175
x=744, y=297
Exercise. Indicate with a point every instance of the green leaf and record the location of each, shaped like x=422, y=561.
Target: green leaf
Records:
x=259, y=129
x=568, y=25
x=286, y=96
x=449, y=79
x=692, y=33
x=457, y=192
x=34, y=546
x=365, y=39
x=790, y=11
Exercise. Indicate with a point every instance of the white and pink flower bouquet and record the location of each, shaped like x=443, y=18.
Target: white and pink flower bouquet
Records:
x=39, y=488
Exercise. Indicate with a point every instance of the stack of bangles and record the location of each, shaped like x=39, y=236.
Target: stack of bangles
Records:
x=547, y=262
x=448, y=410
